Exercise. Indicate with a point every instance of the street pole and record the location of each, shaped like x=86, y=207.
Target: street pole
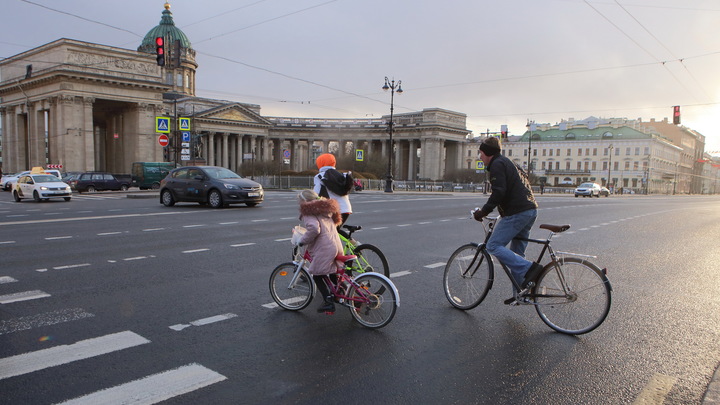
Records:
x=610, y=151
x=391, y=85
x=530, y=125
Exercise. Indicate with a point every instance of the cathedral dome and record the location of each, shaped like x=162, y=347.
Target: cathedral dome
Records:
x=167, y=30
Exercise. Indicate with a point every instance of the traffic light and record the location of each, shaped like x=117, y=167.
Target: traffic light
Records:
x=676, y=115
x=503, y=131
x=166, y=154
x=160, y=50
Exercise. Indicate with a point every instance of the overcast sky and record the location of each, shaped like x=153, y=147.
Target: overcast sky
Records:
x=499, y=62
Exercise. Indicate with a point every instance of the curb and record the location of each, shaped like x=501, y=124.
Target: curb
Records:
x=712, y=395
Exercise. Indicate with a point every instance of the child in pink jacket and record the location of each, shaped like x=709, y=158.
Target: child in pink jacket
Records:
x=320, y=217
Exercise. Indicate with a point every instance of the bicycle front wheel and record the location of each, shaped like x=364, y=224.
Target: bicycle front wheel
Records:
x=572, y=296
x=288, y=291
x=370, y=259
x=373, y=300
x=468, y=276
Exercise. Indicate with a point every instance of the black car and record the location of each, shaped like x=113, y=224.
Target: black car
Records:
x=212, y=185
x=98, y=181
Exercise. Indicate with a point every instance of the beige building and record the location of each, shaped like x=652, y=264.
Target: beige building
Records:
x=637, y=156
x=90, y=107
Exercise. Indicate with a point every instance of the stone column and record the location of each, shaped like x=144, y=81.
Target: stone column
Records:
x=412, y=159
x=210, y=150
x=225, y=150
x=239, y=153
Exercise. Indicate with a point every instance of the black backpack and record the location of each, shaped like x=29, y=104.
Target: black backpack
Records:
x=336, y=182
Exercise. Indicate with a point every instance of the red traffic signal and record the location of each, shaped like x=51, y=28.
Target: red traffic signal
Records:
x=676, y=115
x=160, y=50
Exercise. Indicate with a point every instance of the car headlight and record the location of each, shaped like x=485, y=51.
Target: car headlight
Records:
x=68, y=189
x=43, y=188
x=231, y=186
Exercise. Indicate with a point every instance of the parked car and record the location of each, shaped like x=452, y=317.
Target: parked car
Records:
x=588, y=190
x=8, y=180
x=212, y=185
x=147, y=175
x=98, y=181
x=41, y=187
x=604, y=192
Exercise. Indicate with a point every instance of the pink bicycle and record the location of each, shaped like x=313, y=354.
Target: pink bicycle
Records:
x=371, y=297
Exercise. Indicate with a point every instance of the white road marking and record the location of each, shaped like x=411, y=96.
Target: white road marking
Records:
x=403, y=225
x=242, y=244
x=425, y=223
x=7, y=242
x=656, y=390
x=154, y=388
x=59, y=355
x=192, y=226
x=43, y=221
x=109, y=233
x=400, y=274
x=283, y=240
x=153, y=229
x=379, y=227
x=196, y=250
x=39, y=320
x=435, y=265
x=70, y=266
x=58, y=237
x=22, y=296
x=7, y=279
x=204, y=321
x=229, y=223
x=259, y=220
x=127, y=259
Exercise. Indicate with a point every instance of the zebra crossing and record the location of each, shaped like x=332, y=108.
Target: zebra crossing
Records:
x=150, y=389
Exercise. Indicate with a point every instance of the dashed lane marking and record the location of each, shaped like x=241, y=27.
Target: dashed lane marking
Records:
x=656, y=390
x=400, y=274
x=204, y=321
x=154, y=388
x=7, y=279
x=23, y=296
x=242, y=244
x=59, y=355
x=435, y=265
x=58, y=237
x=196, y=250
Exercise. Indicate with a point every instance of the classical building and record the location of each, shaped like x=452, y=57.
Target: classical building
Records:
x=645, y=157
x=94, y=107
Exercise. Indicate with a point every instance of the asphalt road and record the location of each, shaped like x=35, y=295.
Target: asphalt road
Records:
x=106, y=297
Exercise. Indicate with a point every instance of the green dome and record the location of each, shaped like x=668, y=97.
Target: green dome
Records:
x=167, y=30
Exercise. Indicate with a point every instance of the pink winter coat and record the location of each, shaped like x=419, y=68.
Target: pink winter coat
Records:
x=320, y=218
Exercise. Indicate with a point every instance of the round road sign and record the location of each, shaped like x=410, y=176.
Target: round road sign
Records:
x=163, y=140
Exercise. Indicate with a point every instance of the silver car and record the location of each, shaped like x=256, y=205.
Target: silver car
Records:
x=588, y=190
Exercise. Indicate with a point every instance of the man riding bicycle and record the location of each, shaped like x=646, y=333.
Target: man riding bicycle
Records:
x=514, y=199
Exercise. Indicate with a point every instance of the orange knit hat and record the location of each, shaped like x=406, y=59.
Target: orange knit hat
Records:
x=326, y=159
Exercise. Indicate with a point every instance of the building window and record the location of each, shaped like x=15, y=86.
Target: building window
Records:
x=551, y=152
x=617, y=151
x=587, y=166
x=594, y=165
x=567, y=165
x=510, y=152
x=647, y=150
x=636, y=165
x=627, y=165
x=615, y=166
x=579, y=151
x=605, y=165
x=569, y=152
x=627, y=151
x=579, y=167
x=543, y=165
x=534, y=152
x=594, y=151
x=637, y=151
x=557, y=165
x=587, y=151
x=544, y=152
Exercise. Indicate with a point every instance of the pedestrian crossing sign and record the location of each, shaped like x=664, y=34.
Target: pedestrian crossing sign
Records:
x=184, y=124
x=479, y=165
x=162, y=124
x=359, y=155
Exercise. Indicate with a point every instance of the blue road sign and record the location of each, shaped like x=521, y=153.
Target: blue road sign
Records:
x=359, y=155
x=480, y=165
x=162, y=124
x=186, y=136
x=184, y=124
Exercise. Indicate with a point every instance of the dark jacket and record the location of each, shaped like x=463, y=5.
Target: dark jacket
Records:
x=511, y=191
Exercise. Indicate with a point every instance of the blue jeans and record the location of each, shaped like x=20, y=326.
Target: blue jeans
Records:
x=506, y=229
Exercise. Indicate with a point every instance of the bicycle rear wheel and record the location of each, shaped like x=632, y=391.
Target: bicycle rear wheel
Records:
x=373, y=300
x=295, y=296
x=578, y=307
x=468, y=276
x=370, y=259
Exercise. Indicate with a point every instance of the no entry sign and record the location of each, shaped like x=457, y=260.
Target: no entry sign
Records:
x=163, y=140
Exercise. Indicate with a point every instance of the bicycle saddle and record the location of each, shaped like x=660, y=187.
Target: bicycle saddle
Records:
x=345, y=258
x=352, y=228
x=555, y=228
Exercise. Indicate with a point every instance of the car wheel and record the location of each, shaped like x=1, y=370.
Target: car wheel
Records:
x=90, y=189
x=36, y=196
x=16, y=196
x=67, y=198
x=155, y=186
x=215, y=199
x=124, y=187
x=167, y=198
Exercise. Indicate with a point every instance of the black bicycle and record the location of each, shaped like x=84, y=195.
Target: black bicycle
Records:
x=571, y=295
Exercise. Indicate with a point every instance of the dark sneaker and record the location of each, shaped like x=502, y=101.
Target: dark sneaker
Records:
x=532, y=274
x=328, y=307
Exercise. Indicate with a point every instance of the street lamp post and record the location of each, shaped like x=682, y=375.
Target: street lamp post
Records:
x=530, y=125
x=610, y=151
x=393, y=87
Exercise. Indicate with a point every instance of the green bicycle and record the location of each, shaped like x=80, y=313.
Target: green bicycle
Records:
x=369, y=257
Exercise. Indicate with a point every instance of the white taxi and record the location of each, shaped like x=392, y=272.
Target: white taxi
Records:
x=40, y=187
